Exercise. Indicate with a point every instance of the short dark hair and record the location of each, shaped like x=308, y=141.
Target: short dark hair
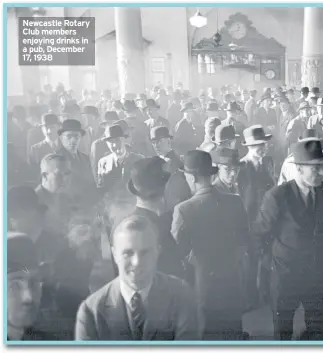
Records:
x=52, y=157
x=134, y=223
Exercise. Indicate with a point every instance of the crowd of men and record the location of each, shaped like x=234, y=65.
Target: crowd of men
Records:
x=162, y=216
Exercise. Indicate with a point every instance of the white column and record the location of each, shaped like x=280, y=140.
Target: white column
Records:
x=130, y=53
x=312, y=60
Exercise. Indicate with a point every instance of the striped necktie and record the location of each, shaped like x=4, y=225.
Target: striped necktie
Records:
x=138, y=315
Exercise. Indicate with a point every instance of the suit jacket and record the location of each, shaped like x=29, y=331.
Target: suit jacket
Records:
x=265, y=118
x=174, y=115
x=315, y=122
x=177, y=189
x=99, y=149
x=250, y=109
x=169, y=260
x=171, y=313
x=115, y=176
x=40, y=150
x=208, y=227
x=290, y=231
x=255, y=183
x=185, y=137
x=158, y=122
x=34, y=136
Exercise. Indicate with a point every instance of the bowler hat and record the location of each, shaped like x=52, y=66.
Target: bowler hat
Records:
x=71, y=125
x=49, y=119
x=123, y=124
x=91, y=110
x=151, y=103
x=308, y=133
x=315, y=90
x=304, y=105
x=232, y=106
x=110, y=117
x=212, y=107
x=187, y=106
x=21, y=253
x=159, y=132
x=226, y=156
x=255, y=135
x=224, y=133
x=148, y=178
x=129, y=106
x=71, y=107
x=113, y=132
x=308, y=152
x=23, y=198
x=319, y=102
x=305, y=90
x=198, y=163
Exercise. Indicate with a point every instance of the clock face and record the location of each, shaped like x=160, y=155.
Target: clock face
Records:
x=238, y=30
x=270, y=74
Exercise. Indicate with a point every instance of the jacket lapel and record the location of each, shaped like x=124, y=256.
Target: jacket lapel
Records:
x=116, y=314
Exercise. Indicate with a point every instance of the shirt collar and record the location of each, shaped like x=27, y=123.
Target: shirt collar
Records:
x=127, y=292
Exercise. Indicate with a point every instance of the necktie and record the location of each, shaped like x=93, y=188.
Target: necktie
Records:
x=310, y=201
x=138, y=315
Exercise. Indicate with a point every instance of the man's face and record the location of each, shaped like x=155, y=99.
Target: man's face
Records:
x=189, y=114
x=230, y=144
x=312, y=175
x=319, y=109
x=283, y=106
x=290, y=97
x=267, y=103
x=152, y=112
x=136, y=254
x=259, y=151
x=228, y=174
x=58, y=177
x=71, y=140
x=141, y=103
x=117, y=146
x=24, y=295
x=305, y=113
x=29, y=222
x=50, y=132
x=162, y=146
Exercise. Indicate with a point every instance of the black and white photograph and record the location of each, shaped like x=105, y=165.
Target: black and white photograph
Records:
x=163, y=174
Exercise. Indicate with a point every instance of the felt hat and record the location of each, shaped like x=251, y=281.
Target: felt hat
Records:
x=151, y=103
x=232, y=106
x=198, y=163
x=148, y=178
x=113, y=132
x=49, y=119
x=91, y=110
x=159, y=132
x=187, y=106
x=71, y=125
x=23, y=198
x=224, y=133
x=110, y=117
x=129, y=106
x=226, y=156
x=255, y=135
x=304, y=105
x=308, y=152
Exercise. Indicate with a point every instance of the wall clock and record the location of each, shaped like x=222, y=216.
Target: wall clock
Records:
x=238, y=30
x=270, y=74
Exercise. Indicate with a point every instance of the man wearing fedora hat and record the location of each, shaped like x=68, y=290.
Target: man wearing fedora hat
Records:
x=316, y=121
x=207, y=228
x=228, y=162
x=141, y=103
x=49, y=126
x=289, y=230
x=140, y=131
x=298, y=125
x=251, y=106
x=177, y=189
x=82, y=182
x=304, y=95
x=315, y=92
x=234, y=112
x=154, y=120
x=185, y=131
x=99, y=147
x=265, y=114
x=114, y=169
x=24, y=289
x=288, y=171
x=118, y=108
x=148, y=182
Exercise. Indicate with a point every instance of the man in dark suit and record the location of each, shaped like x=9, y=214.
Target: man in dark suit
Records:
x=228, y=162
x=82, y=187
x=177, y=189
x=140, y=304
x=49, y=126
x=207, y=228
x=185, y=132
x=99, y=147
x=148, y=181
x=289, y=229
x=24, y=289
x=154, y=120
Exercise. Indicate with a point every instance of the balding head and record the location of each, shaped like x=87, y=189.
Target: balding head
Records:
x=55, y=172
x=135, y=248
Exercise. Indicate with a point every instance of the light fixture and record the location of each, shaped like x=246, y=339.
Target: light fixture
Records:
x=38, y=11
x=198, y=20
